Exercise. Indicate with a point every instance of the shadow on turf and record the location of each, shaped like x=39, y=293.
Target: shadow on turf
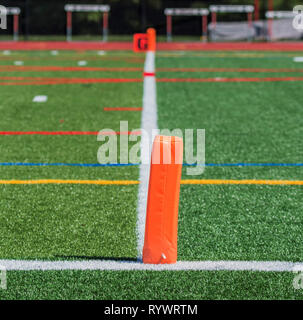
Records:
x=98, y=258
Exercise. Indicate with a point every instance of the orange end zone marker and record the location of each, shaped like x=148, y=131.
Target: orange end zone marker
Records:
x=151, y=37
x=140, y=42
x=161, y=229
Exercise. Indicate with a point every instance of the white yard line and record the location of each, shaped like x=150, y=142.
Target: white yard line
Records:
x=265, y=266
x=18, y=63
x=149, y=125
x=40, y=99
x=82, y=63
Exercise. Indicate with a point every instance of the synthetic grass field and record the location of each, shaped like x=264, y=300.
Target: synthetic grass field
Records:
x=246, y=122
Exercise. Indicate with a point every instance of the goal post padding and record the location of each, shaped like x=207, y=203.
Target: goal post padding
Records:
x=70, y=8
x=170, y=12
x=279, y=26
x=231, y=30
x=15, y=12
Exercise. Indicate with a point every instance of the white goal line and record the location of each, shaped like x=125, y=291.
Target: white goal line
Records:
x=107, y=265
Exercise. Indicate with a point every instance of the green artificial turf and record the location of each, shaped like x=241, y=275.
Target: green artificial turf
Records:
x=244, y=122
x=240, y=223
x=56, y=58
x=69, y=172
x=236, y=285
x=77, y=107
x=61, y=222
x=235, y=59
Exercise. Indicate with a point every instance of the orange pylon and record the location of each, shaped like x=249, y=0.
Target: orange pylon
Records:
x=161, y=229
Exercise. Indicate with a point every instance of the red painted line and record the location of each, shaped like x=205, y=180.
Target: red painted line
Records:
x=149, y=74
x=122, y=109
x=134, y=60
x=230, y=79
x=28, y=83
x=265, y=70
x=53, y=81
x=23, y=78
x=66, y=133
x=218, y=79
x=218, y=46
x=55, y=68
x=231, y=46
x=57, y=81
x=73, y=79
x=63, y=45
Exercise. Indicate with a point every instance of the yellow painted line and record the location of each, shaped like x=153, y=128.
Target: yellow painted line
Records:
x=58, y=181
x=258, y=182
x=135, y=182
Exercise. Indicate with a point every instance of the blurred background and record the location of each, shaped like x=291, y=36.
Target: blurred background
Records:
x=48, y=18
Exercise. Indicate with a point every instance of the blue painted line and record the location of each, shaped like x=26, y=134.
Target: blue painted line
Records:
x=240, y=164
x=67, y=164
